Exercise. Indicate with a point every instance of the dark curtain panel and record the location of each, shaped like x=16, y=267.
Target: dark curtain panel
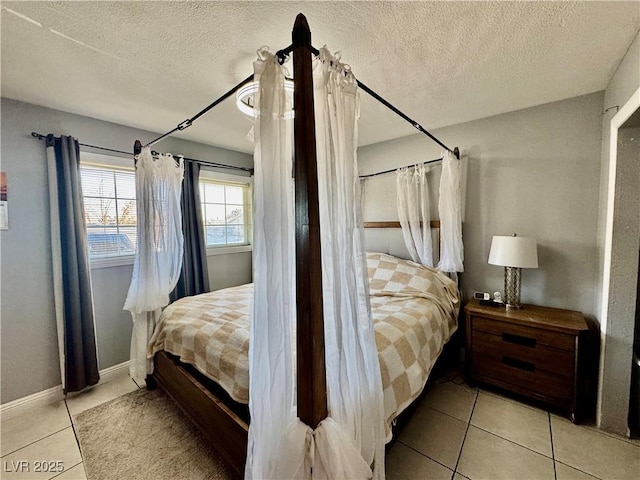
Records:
x=194, y=278
x=81, y=361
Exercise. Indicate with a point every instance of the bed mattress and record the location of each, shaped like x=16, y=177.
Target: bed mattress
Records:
x=414, y=311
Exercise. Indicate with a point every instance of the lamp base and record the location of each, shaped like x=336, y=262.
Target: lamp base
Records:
x=512, y=283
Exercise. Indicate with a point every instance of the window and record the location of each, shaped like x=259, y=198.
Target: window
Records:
x=226, y=211
x=109, y=193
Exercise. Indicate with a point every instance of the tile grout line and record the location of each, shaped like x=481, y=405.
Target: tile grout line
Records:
x=512, y=400
x=469, y=424
x=455, y=469
x=424, y=455
x=553, y=451
x=592, y=428
x=579, y=470
x=136, y=383
x=554, y=456
x=66, y=470
x=550, y=417
x=448, y=414
x=453, y=472
x=505, y=438
x=595, y=429
x=73, y=428
x=513, y=442
x=35, y=441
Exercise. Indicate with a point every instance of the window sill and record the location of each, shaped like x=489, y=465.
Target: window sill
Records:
x=128, y=259
x=212, y=251
x=112, y=261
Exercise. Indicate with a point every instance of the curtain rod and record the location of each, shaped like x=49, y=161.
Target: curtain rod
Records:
x=397, y=168
x=282, y=54
x=128, y=154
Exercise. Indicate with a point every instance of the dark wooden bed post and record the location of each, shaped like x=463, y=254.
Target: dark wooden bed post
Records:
x=312, y=384
x=222, y=426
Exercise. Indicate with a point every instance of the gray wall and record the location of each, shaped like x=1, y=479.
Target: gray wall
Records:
x=534, y=172
x=229, y=270
x=29, y=352
x=113, y=324
x=616, y=306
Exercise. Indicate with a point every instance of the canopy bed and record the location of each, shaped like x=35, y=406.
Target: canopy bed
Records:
x=206, y=337
x=322, y=443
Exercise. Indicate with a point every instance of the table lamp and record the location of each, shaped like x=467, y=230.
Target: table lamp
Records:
x=513, y=253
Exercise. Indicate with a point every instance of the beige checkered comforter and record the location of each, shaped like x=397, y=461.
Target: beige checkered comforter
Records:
x=414, y=312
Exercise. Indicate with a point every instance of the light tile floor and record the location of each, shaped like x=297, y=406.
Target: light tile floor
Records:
x=41, y=443
x=460, y=432
x=456, y=433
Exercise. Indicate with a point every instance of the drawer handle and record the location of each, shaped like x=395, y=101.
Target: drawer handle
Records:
x=518, y=340
x=520, y=364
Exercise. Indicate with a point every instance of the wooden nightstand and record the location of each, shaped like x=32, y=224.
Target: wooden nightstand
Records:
x=536, y=351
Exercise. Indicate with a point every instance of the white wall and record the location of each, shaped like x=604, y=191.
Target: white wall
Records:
x=534, y=172
x=618, y=257
x=29, y=352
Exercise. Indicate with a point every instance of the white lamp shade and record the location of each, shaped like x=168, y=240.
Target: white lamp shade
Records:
x=513, y=251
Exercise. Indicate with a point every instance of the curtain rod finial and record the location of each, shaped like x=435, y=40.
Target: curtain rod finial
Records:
x=137, y=147
x=456, y=152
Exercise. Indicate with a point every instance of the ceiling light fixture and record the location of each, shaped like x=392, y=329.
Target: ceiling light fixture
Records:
x=246, y=94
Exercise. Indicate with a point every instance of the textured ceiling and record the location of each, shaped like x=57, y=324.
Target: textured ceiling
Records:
x=153, y=64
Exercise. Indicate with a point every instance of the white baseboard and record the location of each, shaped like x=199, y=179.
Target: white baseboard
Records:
x=111, y=372
x=39, y=399
x=53, y=394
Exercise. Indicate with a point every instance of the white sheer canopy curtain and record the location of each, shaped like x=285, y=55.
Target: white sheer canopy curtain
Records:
x=350, y=442
x=158, y=259
x=451, y=247
x=413, y=207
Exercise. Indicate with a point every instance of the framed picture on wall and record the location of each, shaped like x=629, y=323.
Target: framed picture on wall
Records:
x=4, y=214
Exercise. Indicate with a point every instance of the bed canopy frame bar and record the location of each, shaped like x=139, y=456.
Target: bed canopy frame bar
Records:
x=415, y=124
x=394, y=109
x=189, y=121
x=206, y=163
x=282, y=54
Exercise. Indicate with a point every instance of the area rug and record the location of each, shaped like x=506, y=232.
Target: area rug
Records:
x=143, y=436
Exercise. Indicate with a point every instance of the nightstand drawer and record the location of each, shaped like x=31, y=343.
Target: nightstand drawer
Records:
x=522, y=374
x=538, y=352
x=526, y=335
x=545, y=358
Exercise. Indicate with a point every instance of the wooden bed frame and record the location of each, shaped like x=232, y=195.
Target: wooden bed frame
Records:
x=224, y=422
x=226, y=430
x=221, y=423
